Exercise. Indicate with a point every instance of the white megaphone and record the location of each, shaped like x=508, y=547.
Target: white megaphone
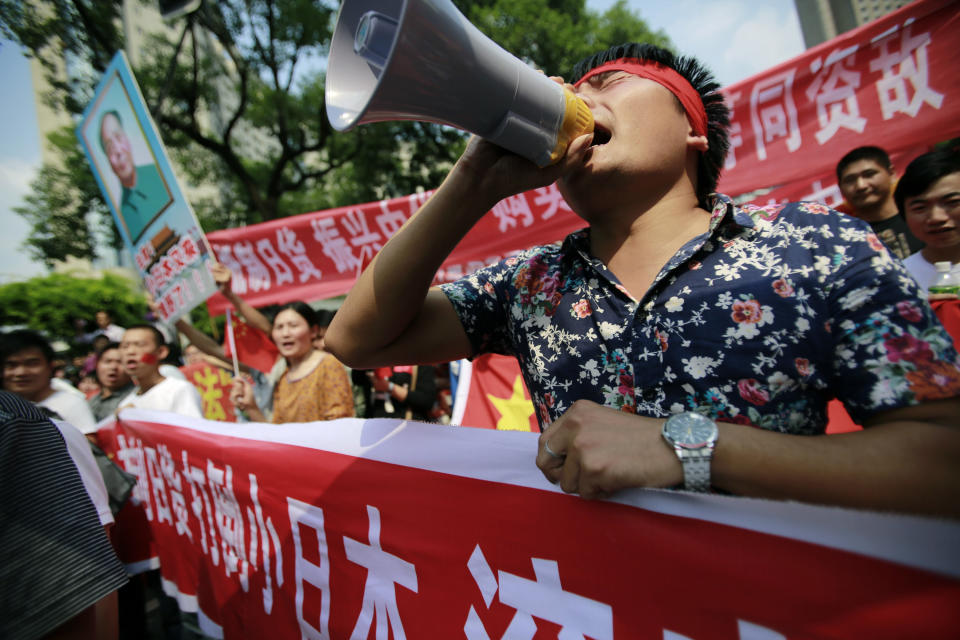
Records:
x=423, y=60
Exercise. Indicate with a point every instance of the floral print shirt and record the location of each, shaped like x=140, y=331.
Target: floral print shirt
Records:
x=760, y=321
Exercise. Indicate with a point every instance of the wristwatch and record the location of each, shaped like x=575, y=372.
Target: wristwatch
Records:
x=693, y=436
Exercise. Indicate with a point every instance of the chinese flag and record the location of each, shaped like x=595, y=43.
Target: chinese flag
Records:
x=496, y=397
x=254, y=347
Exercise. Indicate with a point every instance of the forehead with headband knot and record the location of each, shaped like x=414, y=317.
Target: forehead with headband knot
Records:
x=665, y=77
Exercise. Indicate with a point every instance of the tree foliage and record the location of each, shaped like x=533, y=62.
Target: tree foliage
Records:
x=238, y=98
x=52, y=303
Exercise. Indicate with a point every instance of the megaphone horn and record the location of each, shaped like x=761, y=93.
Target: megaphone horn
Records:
x=423, y=60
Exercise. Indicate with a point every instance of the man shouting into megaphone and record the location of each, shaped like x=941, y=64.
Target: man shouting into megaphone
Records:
x=678, y=340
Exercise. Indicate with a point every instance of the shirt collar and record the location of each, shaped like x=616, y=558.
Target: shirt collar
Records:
x=723, y=211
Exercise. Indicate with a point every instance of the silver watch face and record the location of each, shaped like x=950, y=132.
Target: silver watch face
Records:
x=690, y=430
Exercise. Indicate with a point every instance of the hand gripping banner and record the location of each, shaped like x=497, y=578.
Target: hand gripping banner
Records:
x=389, y=529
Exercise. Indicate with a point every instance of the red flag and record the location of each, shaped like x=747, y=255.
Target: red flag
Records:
x=214, y=384
x=254, y=347
x=494, y=396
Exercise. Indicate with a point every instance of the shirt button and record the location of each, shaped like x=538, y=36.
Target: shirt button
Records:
x=649, y=394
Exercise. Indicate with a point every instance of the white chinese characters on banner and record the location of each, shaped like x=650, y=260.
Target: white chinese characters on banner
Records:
x=834, y=91
x=543, y=597
x=905, y=63
x=773, y=113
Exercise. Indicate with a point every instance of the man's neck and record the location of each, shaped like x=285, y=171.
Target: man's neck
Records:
x=41, y=395
x=107, y=392
x=150, y=381
x=636, y=252
x=879, y=213
x=938, y=254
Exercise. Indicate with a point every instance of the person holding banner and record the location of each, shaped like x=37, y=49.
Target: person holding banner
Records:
x=679, y=340
x=315, y=385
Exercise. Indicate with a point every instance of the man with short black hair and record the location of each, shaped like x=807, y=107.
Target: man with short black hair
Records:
x=680, y=339
x=27, y=360
x=866, y=179
x=928, y=196
x=115, y=383
x=142, y=350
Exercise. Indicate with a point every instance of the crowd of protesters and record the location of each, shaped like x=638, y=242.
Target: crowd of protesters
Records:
x=112, y=367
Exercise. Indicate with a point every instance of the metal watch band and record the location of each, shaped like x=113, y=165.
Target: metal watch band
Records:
x=696, y=469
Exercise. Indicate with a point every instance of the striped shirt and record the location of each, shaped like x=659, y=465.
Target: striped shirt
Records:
x=55, y=558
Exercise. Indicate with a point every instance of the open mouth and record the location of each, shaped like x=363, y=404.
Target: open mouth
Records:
x=600, y=136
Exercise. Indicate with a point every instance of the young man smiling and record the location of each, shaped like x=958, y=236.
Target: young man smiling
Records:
x=866, y=180
x=680, y=339
x=27, y=359
x=929, y=197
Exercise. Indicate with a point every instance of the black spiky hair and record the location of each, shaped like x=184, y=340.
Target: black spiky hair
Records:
x=710, y=163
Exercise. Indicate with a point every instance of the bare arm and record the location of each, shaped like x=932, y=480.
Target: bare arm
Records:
x=905, y=460
x=391, y=315
x=199, y=339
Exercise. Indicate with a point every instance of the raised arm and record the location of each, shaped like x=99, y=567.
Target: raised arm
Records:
x=391, y=315
x=222, y=276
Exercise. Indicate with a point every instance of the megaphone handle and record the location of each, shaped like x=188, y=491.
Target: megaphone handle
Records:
x=577, y=120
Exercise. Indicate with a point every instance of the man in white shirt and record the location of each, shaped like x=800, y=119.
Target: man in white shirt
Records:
x=143, y=349
x=27, y=359
x=928, y=195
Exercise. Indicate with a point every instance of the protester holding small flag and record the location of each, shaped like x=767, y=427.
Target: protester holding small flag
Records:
x=315, y=385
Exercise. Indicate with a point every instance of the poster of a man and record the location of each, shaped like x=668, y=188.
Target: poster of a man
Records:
x=158, y=226
x=144, y=192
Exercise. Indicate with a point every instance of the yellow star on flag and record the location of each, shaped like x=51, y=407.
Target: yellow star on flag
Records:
x=515, y=411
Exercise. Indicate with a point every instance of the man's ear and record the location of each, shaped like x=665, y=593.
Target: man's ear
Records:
x=697, y=142
x=163, y=352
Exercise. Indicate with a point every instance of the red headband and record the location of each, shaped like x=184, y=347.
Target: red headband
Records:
x=665, y=77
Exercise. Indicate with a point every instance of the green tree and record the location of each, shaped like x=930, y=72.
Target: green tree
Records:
x=239, y=100
x=52, y=303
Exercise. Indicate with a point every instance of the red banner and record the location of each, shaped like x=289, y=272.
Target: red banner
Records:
x=319, y=255
x=329, y=530
x=892, y=83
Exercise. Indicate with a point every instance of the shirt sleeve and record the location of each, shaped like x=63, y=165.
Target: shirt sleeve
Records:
x=82, y=417
x=79, y=449
x=482, y=300
x=890, y=350
x=57, y=558
x=188, y=402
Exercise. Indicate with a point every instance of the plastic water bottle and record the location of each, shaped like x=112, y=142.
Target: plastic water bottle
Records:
x=946, y=281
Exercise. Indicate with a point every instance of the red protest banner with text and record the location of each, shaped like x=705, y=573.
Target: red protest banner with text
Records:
x=891, y=83
x=329, y=530
x=319, y=255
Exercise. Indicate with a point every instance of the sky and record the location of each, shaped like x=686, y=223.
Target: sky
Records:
x=734, y=38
